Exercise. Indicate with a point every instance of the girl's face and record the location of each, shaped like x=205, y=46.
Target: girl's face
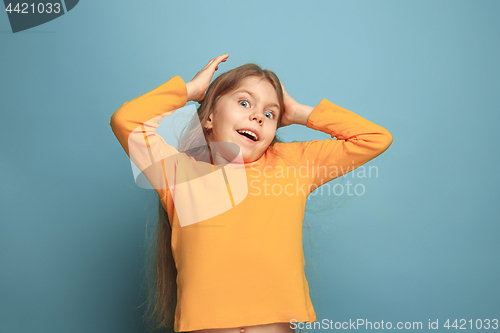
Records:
x=253, y=106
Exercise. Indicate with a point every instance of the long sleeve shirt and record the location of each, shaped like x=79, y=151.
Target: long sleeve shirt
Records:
x=237, y=237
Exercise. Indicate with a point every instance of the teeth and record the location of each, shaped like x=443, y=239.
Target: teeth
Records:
x=251, y=133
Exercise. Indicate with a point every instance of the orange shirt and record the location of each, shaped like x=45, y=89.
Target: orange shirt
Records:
x=244, y=265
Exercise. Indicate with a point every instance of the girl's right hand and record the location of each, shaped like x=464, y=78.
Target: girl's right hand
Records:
x=199, y=83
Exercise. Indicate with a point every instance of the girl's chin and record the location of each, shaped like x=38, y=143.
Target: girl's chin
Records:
x=247, y=158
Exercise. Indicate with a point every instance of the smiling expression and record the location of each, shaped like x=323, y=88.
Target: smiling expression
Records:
x=252, y=107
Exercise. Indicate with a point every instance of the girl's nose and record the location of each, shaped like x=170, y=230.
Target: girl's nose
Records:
x=258, y=116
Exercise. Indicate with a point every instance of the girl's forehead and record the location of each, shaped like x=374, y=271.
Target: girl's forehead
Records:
x=256, y=86
x=253, y=81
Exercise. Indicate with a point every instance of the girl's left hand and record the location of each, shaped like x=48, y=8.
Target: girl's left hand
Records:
x=291, y=106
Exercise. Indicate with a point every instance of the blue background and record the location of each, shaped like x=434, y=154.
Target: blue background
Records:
x=421, y=243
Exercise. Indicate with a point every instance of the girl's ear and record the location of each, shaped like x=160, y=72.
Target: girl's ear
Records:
x=209, y=122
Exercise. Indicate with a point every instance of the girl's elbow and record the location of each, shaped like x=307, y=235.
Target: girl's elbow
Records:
x=115, y=120
x=385, y=140
x=388, y=138
x=381, y=141
x=116, y=117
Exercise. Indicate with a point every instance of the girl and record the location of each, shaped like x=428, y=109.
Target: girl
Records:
x=229, y=254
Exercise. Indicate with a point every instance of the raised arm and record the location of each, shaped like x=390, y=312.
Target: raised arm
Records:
x=358, y=140
x=135, y=122
x=134, y=125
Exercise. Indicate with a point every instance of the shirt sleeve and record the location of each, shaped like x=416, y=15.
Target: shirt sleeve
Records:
x=355, y=141
x=134, y=125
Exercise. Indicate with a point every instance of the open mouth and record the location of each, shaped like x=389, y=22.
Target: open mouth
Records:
x=248, y=135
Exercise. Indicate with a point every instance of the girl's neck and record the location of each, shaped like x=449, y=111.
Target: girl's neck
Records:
x=219, y=159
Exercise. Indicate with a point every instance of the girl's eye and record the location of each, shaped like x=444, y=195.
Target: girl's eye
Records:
x=244, y=103
x=272, y=115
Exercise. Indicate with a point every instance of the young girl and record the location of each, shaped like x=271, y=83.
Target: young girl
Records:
x=229, y=255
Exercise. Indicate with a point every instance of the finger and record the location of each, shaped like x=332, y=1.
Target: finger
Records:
x=215, y=61
x=211, y=62
x=220, y=59
x=223, y=56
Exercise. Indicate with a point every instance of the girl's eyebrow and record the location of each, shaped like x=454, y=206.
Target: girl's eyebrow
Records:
x=248, y=92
